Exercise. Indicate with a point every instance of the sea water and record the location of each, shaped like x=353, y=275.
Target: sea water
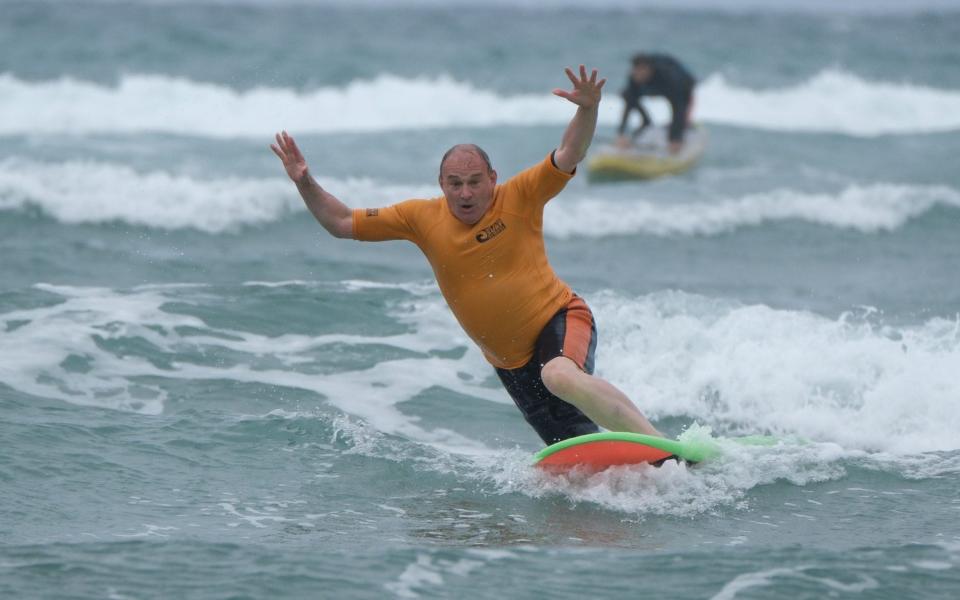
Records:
x=203, y=395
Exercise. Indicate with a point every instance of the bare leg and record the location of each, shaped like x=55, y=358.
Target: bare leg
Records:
x=602, y=402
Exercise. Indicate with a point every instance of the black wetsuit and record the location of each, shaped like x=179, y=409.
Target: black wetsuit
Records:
x=669, y=79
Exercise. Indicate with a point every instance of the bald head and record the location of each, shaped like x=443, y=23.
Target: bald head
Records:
x=468, y=182
x=473, y=149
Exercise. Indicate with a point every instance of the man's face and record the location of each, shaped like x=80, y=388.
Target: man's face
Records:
x=641, y=73
x=467, y=185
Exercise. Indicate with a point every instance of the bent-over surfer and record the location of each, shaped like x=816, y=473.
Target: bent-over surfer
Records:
x=658, y=75
x=485, y=244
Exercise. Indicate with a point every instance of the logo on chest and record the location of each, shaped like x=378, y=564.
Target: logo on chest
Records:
x=488, y=233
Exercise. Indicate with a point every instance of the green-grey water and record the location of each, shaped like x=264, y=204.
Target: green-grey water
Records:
x=205, y=396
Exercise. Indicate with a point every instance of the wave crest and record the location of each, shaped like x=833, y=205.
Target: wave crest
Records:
x=864, y=208
x=78, y=192
x=831, y=101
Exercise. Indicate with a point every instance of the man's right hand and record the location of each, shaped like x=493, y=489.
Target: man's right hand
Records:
x=292, y=158
x=335, y=216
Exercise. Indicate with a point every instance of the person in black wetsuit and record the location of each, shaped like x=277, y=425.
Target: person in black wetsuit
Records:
x=658, y=75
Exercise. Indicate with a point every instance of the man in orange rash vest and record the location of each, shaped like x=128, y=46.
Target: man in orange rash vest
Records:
x=485, y=244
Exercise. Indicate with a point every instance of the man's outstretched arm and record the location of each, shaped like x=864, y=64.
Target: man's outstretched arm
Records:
x=335, y=216
x=579, y=134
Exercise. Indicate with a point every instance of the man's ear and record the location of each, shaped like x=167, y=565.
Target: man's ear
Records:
x=493, y=176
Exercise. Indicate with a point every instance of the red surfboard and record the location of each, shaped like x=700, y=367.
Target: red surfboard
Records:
x=599, y=451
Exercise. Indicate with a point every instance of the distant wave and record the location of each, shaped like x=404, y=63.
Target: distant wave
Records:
x=831, y=101
x=92, y=192
x=865, y=208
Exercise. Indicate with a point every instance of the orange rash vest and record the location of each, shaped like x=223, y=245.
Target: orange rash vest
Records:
x=494, y=274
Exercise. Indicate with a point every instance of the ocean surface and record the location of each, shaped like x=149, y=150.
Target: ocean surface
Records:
x=203, y=395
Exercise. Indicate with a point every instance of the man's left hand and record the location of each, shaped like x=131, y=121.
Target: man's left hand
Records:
x=586, y=91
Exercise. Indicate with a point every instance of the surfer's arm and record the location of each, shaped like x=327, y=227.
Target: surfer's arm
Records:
x=644, y=116
x=576, y=139
x=631, y=101
x=625, y=118
x=623, y=142
x=335, y=216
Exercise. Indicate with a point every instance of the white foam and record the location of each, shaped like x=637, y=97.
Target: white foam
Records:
x=34, y=354
x=430, y=570
x=852, y=380
x=95, y=192
x=674, y=488
x=831, y=101
x=767, y=577
x=417, y=574
x=34, y=358
x=834, y=390
x=865, y=208
x=157, y=103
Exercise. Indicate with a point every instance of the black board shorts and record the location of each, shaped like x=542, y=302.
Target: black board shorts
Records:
x=571, y=333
